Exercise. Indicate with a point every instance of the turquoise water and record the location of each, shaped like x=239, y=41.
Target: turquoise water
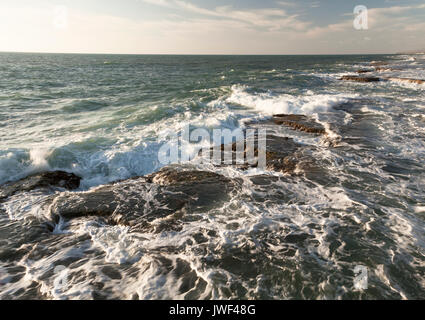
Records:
x=100, y=116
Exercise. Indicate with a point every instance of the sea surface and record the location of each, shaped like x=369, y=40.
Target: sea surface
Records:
x=300, y=237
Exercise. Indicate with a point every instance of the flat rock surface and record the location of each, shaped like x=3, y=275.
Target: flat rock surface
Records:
x=279, y=153
x=169, y=194
x=360, y=79
x=299, y=122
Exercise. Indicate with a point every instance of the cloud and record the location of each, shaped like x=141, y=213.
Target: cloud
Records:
x=219, y=30
x=270, y=19
x=392, y=29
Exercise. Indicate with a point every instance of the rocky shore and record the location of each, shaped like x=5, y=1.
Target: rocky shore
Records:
x=179, y=190
x=322, y=202
x=379, y=66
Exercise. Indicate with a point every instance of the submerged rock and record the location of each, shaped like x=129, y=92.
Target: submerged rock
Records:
x=384, y=69
x=379, y=63
x=376, y=79
x=43, y=180
x=408, y=80
x=360, y=79
x=300, y=123
x=164, y=196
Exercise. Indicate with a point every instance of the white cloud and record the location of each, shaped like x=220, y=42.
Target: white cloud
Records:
x=219, y=30
x=269, y=18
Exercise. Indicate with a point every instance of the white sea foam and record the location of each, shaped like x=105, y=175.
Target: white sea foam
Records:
x=407, y=84
x=38, y=158
x=419, y=209
x=19, y=206
x=269, y=104
x=116, y=156
x=118, y=244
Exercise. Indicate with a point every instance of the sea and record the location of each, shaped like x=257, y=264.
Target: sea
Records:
x=355, y=231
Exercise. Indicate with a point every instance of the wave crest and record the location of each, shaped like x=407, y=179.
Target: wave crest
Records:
x=269, y=103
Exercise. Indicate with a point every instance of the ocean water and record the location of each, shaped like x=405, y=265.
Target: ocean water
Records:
x=296, y=237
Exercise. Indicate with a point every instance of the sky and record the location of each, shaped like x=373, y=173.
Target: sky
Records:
x=211, y=27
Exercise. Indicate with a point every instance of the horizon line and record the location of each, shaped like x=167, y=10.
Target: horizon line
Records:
x=208, y=54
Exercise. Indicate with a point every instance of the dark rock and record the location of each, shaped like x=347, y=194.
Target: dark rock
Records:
x=111, y=272
x=360, y=79
x=279, y=153
x=300, y=123
x=296, y=238
x=264, y=180
x=364, y=71
x=43, y=180
x=98, y=202
x=169, y=194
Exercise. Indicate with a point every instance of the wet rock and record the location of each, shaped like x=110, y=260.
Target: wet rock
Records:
x=408, y=80
x=170, y=176
x=43, y=180
x=111, y=272
x=202, y=188
x=279, y=154
x=264, y=180
x=379, y=63
x=384, y=69
x=167, y=195
x=300, y=123
x=360, y=79
x=98, y=202
x=17, y=237
x=364, y=71
x=297, y=238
